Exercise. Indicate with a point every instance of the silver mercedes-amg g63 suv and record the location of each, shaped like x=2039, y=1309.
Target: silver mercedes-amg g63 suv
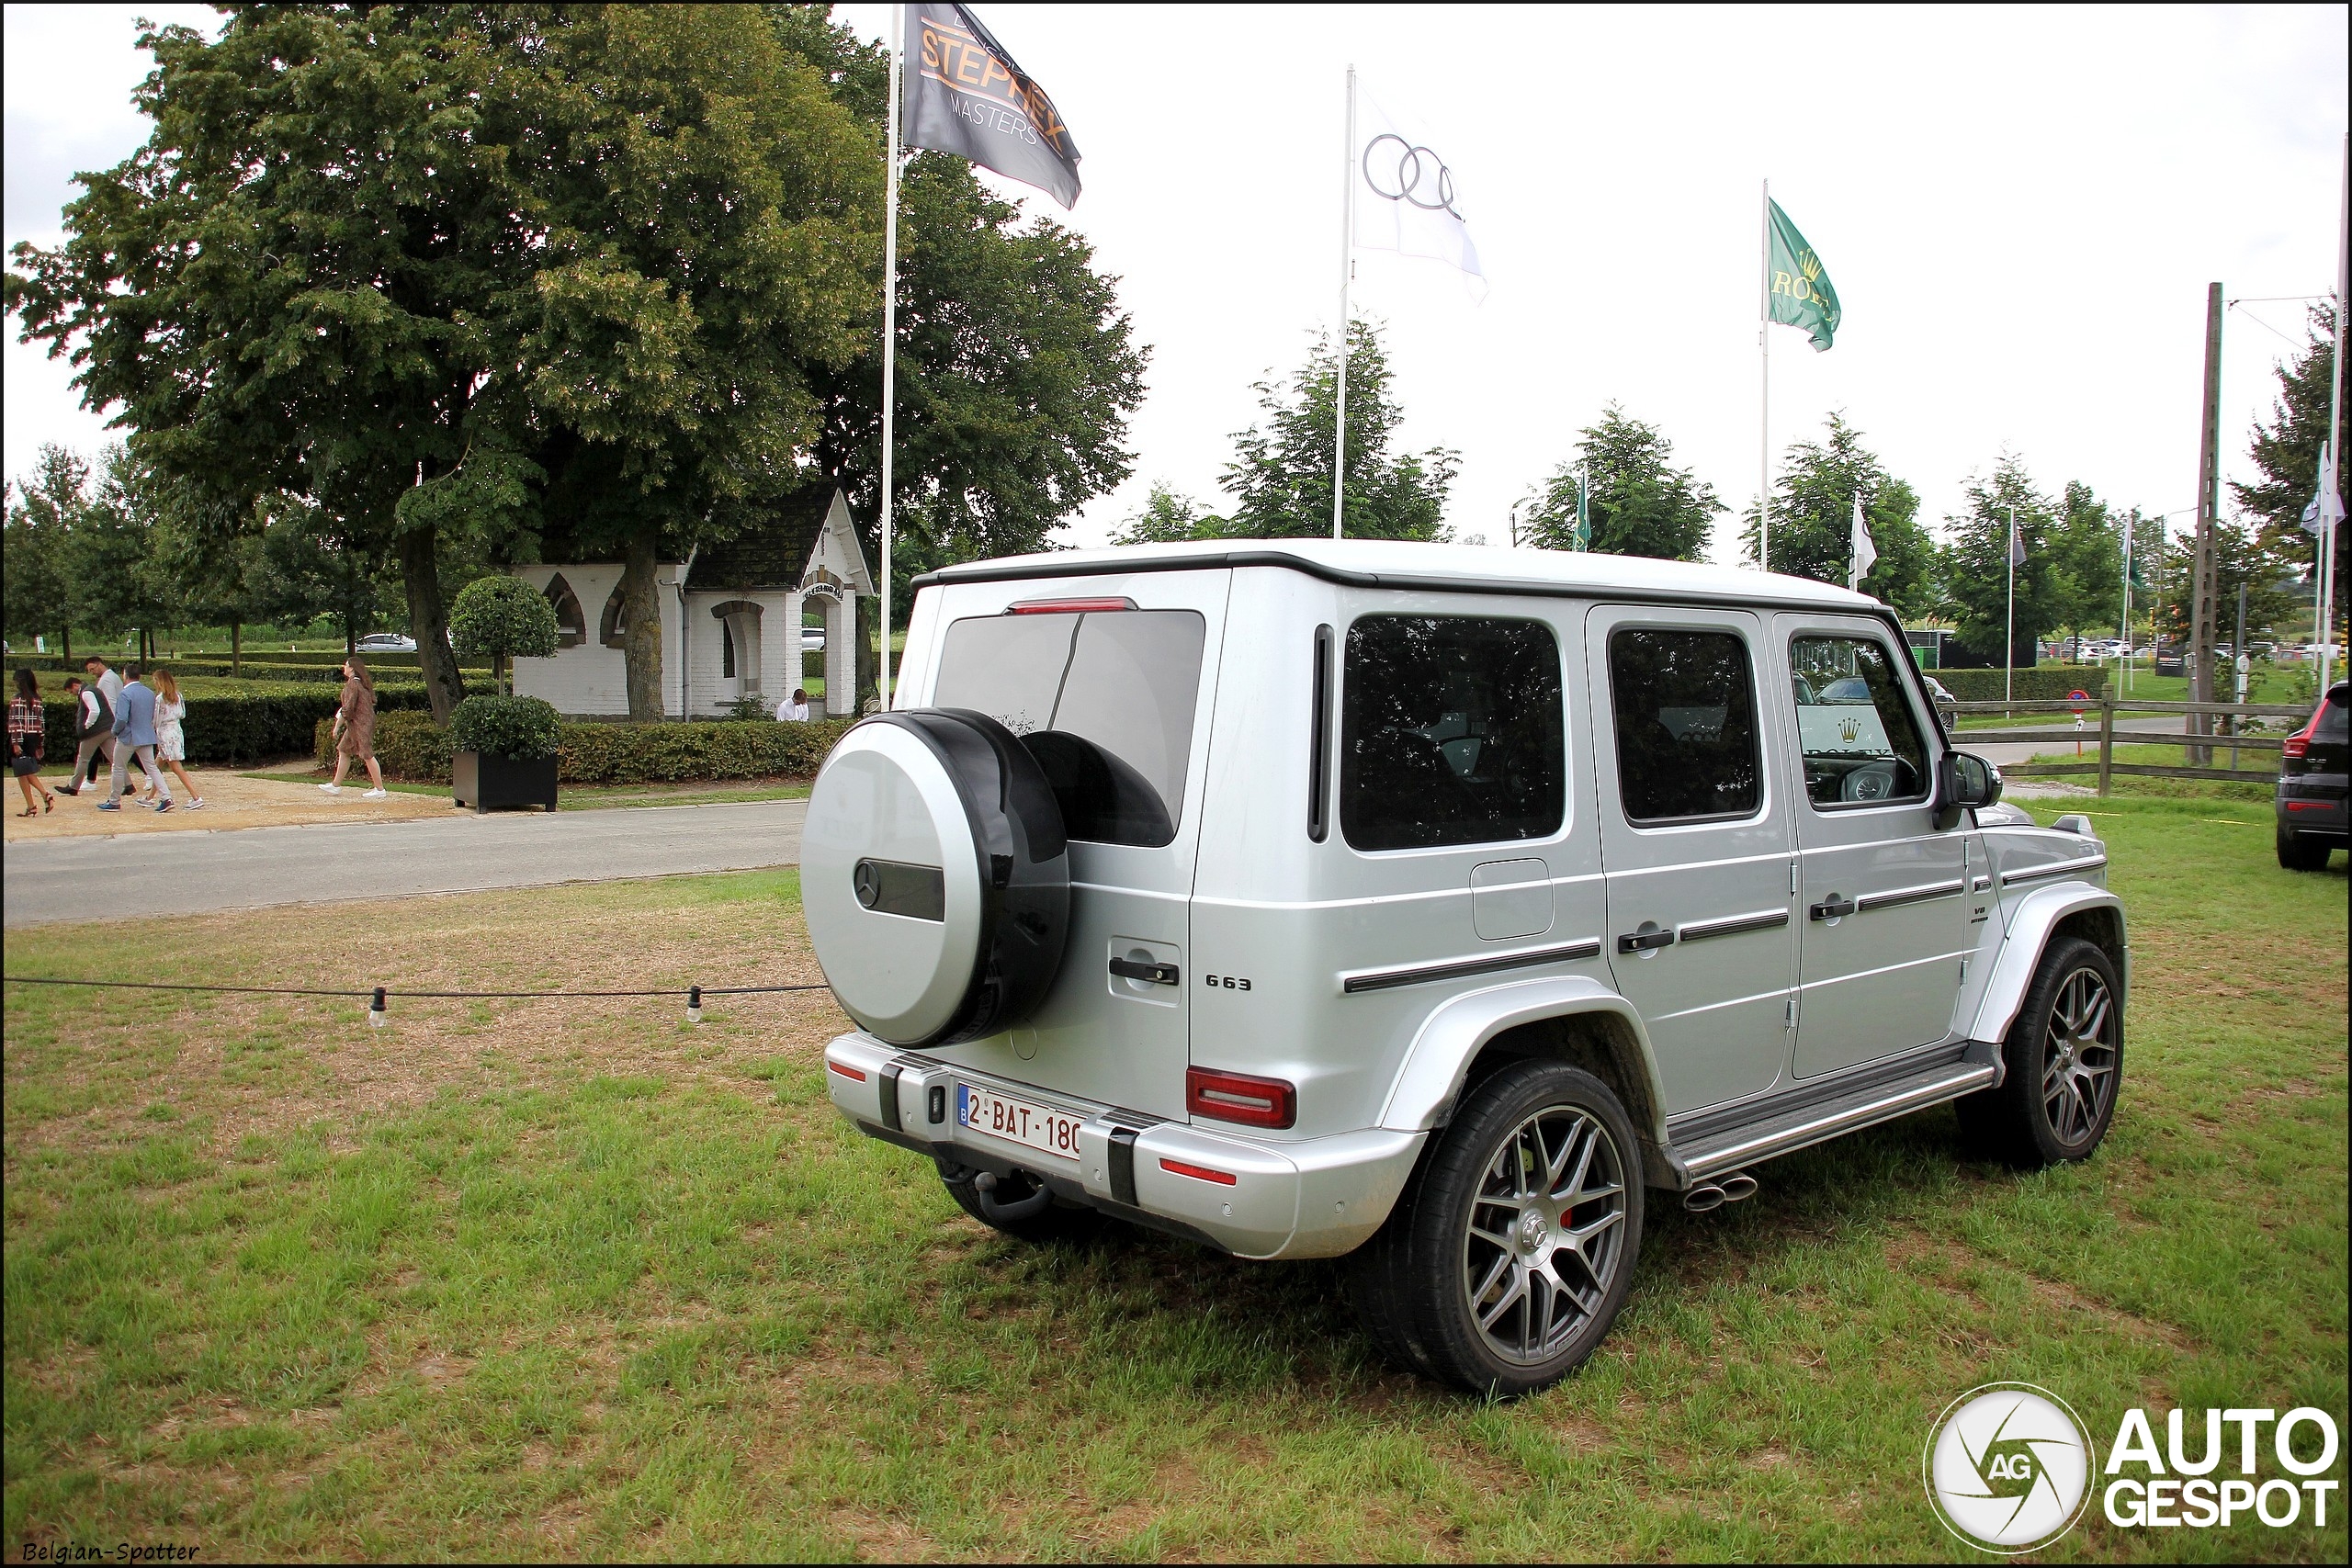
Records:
x=1442, y=905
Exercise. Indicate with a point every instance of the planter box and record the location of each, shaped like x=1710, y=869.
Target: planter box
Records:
x=494, y=784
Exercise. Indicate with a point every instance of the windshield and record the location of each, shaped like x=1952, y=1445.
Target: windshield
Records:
x=1104, y=701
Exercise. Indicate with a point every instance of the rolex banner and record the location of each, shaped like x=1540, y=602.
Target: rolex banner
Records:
x=965, y=95
x=1800, y=293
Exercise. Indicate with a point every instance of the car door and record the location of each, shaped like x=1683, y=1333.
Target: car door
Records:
x=1695, y=844
x=1884, y=893
x=1110, y=680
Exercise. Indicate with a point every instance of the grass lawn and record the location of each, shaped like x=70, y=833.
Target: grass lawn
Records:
x=593, y=797
x=539, y=1280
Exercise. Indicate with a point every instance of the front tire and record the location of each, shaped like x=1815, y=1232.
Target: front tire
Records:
x=1512, y=1250
x=2065, y=1066
x=2299, y=853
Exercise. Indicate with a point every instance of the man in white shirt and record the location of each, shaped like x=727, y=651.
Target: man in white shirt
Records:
x=794, y=709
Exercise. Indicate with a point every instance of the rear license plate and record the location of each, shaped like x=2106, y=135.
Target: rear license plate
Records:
x=1018, y=1121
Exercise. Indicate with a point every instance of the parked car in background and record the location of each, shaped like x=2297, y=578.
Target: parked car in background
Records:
x=1947, y=706
x=812, y=639
x=386, y=642
x=2310, y=799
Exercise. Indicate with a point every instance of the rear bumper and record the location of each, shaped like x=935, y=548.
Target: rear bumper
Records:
x=2312, y=805
x=1313, y=1198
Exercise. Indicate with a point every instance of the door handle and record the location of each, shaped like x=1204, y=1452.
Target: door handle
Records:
x=1153, y=974
x=1643, y=942
x=1832, y=908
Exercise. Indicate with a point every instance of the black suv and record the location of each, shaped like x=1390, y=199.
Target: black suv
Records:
x=2311, y=786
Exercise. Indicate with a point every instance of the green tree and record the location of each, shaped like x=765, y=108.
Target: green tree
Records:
x=1641, y=504
x=1812, y=521
x=36, y=561
x=2286, y=451
x=504, y=617
x=1281, y=473
x=1976, y=565
x=119, y=581
x=1168, y=518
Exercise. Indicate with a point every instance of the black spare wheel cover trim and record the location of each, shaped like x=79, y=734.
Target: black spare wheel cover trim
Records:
x=1023, y=859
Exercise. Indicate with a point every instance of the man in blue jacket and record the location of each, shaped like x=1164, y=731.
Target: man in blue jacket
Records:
x=134, y=735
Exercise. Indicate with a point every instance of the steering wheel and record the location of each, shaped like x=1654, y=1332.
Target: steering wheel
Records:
x=1871, y=781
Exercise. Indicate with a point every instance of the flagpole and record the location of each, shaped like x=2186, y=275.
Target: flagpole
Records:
x=2123, y=622
x=1347, y=266
x=1764, y=430
x=889, y=343
x=2009, y=653
x=2332, y=478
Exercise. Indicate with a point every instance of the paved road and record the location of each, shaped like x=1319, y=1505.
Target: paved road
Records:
x=195, y=873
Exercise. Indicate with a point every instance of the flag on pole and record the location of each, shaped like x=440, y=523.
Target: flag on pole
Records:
x=964, y=95
x=1409, y=199
x=2325, y=506
x=1865, y=553
x=1800, y=291
x=1583, y=512
x=2017, y=542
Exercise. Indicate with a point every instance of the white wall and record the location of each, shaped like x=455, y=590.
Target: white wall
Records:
x=592, y=680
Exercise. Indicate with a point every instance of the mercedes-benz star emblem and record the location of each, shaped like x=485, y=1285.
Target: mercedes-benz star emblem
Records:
x=868, y=883
x=1406, y=172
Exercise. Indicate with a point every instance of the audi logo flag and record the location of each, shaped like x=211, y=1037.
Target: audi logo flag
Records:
x=964, y=95
x=1408, y=199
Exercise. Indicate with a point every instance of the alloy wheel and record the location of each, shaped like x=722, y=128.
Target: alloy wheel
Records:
x=1546, y=1235
x=2079, y=1058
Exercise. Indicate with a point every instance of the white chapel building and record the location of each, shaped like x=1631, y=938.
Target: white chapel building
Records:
x=731, y=616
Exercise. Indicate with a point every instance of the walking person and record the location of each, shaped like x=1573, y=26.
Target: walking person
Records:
x=110, y=689
x=93, y=731
x=171, y=741
x=27, y=737
x=134, y=738
x=354, y=730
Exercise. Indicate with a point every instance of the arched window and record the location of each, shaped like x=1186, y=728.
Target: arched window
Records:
x=614, y=632
x=571, y=625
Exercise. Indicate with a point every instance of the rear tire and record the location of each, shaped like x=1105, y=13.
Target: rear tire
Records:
x=2065, y=1066
x=1512, y=1248
x=2299, y=853
x=1056, y=1223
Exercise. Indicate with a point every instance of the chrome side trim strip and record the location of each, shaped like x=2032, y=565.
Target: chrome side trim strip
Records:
x=2056, y=868
x=1385, y=979
x=1822, y=1128
x=1919, y=895
x=1731, y=925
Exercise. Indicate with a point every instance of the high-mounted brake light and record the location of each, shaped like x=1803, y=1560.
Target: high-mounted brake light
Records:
x=1238, y=1097
x=2300, y=743
x=1200, y=1173
x=1069, y=606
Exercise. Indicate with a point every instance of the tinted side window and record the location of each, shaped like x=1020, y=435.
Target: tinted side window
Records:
x=1686, y=725
x=1861, y=744
x=1103, y=701
x=1450, y=732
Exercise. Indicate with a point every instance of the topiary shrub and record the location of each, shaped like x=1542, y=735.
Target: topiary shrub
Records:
x=520, y=729
x=501, y=618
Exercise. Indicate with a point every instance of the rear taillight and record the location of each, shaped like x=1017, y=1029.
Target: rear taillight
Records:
x=1069, y=606
x=2300, y=742
x=1238, y=1097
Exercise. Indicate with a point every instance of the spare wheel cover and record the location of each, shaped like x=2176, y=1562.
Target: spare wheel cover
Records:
x=935, y=876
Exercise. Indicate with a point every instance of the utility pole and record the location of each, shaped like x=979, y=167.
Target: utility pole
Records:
x=2203, y=612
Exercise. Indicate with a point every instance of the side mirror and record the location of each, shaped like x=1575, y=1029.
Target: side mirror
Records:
x=1964, y=782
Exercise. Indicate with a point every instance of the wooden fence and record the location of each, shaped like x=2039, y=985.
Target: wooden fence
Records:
x=2226, y=737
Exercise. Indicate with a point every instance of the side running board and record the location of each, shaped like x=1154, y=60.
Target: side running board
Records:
x=1729, y=1148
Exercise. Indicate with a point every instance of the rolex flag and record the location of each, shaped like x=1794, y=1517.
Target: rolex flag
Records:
x=1865, y=553
x=1801, y=295
x=964, y=95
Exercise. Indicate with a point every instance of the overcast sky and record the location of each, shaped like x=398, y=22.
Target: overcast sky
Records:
x=2020, y=211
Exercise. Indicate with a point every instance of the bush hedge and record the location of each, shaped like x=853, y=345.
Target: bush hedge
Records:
x=2045, y=683
x=413, y=749
x=281, y=666
x=233, y=728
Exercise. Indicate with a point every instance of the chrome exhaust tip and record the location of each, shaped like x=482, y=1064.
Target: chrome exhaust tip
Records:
x=1703, y=1198
x=1737, y=1187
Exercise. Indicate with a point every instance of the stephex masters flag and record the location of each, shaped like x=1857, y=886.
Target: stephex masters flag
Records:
x=964, y=95
x=1802, y=295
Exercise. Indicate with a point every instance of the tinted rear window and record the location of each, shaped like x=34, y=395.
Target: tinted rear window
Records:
x=1450, y=732
x=1686, y=725
x=1104, y=702
x=2331, y=719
